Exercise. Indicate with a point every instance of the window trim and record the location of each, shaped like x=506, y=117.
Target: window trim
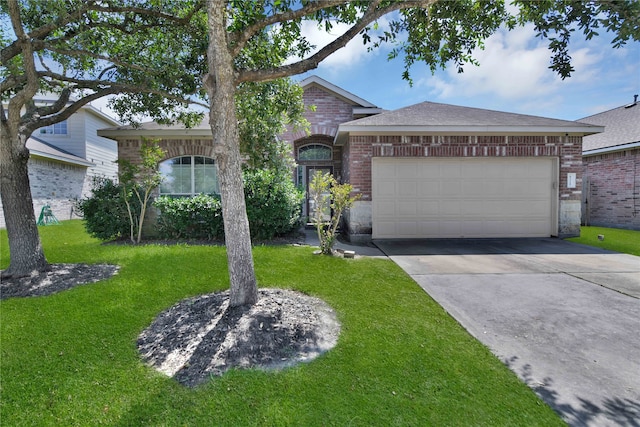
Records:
x=192, y=173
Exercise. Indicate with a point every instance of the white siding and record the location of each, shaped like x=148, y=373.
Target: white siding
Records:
x=103, y=152
x=74, y=141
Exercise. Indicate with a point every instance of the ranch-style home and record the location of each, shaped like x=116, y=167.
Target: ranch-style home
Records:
x=611, y=169
x=425, y=171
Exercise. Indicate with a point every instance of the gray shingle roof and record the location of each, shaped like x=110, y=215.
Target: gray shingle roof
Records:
x=436, y=114
x=621, y=127
x=40, y=148
x=436, y=118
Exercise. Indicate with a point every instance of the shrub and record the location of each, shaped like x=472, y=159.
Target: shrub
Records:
x=273, y=203
x=105, y=212
x=198, y=217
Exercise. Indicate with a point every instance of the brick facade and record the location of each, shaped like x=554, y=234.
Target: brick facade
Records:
x=361, y=149
x=329, y=113
x=612, y=190
x=129, y=149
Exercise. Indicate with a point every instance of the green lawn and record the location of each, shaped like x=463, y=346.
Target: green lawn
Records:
x=70, y=359
x=615, y=239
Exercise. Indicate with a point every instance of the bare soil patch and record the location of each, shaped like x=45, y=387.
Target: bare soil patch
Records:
x=202, y=337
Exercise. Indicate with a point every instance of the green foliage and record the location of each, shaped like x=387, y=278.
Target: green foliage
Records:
x=139, y=180
x=70, y=359
x=273, y=203
x=198, y=217
x=330, y=200
x=273, y=208
x=105, y=211
x=264, y=111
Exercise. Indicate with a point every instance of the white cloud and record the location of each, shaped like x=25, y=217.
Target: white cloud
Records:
x=352, y=55
x=514, y=66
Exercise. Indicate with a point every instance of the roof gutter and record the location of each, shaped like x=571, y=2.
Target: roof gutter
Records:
x=613, y=149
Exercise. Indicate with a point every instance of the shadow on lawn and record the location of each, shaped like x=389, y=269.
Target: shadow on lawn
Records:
x=622, y=412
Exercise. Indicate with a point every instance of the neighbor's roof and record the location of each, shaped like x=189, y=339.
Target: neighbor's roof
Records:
x=40, y=148
x=621, y=130
x=153, y=129
x=436, y=118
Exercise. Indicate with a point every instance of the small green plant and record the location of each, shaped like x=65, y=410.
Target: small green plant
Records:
x=330, y=200
x=139, y=180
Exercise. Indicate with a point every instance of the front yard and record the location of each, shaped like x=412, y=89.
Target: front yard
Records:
x=71, y=358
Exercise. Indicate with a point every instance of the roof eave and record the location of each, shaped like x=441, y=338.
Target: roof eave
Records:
x=615, y=148
x=78, y=162
x=115, y=133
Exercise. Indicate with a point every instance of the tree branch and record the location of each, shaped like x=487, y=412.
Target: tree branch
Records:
x=240, y=39
x=39, y=34
x=31, y=87
x=371, y=14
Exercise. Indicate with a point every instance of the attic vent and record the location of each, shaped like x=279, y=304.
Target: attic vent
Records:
x=635, y=101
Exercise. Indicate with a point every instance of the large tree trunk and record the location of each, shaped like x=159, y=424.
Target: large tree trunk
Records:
x=26, y=254
x=220, y=83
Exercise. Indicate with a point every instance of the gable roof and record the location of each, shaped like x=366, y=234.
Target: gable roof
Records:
x=346, y=96
x=40, y=148
x=621, y=130
x=436, y=118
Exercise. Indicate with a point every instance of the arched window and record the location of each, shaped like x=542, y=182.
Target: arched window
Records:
x=188, y=176
x=315, y=152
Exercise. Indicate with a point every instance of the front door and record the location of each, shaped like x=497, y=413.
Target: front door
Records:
x=311, y=170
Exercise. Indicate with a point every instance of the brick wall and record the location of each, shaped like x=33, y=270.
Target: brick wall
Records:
x=612, y=190
x=129, y=149
x=330, y=112
x=56, y=184
x=362, y=149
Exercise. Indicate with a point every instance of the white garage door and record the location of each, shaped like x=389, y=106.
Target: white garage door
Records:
x=464, y=197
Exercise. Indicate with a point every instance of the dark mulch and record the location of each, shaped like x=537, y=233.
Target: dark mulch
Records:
x=58, y=278
x=202, y=337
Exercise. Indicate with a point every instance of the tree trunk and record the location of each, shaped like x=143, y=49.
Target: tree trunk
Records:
x=26, y=254
x=220, y=84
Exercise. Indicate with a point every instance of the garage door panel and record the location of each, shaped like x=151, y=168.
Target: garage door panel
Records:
x=386, y=188
x=463, y=197
x=407, y=208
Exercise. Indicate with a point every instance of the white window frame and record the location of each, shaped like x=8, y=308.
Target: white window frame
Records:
x=192, y=177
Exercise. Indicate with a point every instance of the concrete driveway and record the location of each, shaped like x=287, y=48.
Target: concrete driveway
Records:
x=564, y=317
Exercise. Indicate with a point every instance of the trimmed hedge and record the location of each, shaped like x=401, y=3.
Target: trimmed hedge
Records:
x=273, y=208
x=198, y=217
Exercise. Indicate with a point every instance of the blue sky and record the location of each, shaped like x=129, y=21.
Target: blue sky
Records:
x=513, y=76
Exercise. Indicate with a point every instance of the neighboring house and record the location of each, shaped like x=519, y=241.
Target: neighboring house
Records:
x=65, y=157
x=611, y=169
x=429, y=170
